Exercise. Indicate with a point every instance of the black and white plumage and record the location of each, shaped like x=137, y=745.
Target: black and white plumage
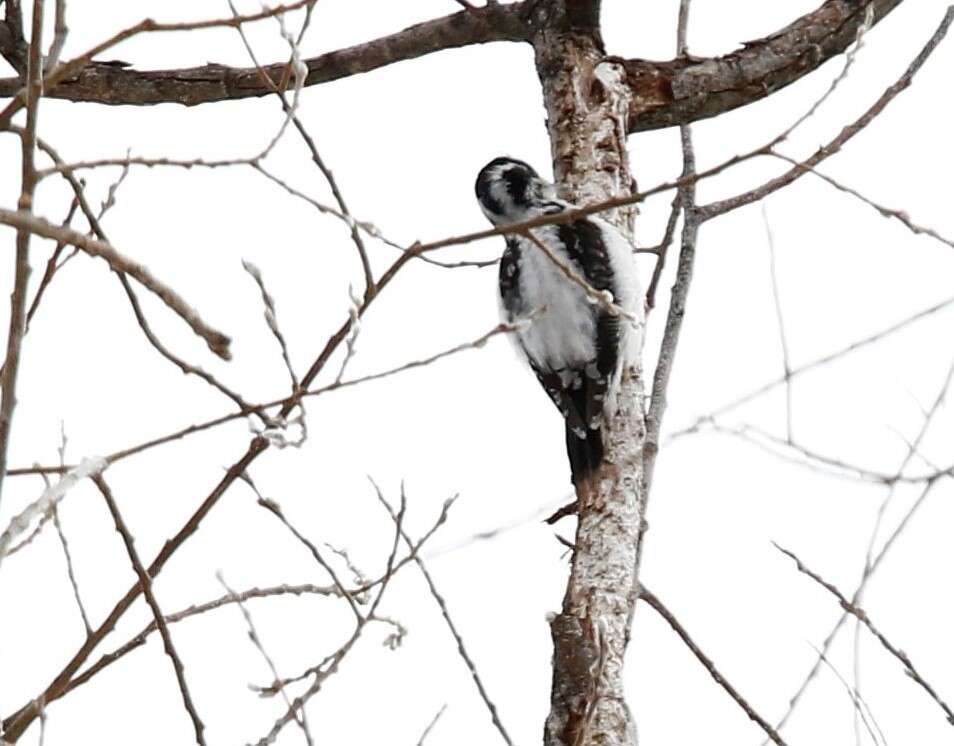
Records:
x=576, y=347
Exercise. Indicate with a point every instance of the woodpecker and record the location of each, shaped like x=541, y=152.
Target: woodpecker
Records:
x=576, y=347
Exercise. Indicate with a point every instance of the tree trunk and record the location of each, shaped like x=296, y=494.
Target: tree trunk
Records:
x=587, y=100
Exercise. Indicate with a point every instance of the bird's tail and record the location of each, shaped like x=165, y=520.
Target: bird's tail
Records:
x=585, y=453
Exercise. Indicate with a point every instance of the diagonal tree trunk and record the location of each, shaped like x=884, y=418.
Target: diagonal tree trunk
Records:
x=587, y=101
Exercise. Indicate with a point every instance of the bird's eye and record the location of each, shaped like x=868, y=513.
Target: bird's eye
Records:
x=518, y=183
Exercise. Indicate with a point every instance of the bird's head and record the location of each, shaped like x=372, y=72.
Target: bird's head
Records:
x=510, y=191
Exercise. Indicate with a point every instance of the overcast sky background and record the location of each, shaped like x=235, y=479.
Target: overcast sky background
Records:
x=405, y=143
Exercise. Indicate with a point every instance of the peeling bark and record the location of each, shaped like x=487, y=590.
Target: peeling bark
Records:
x=686, y=90
x=587, y=99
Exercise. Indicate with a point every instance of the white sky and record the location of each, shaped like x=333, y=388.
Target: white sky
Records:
x=405, y=143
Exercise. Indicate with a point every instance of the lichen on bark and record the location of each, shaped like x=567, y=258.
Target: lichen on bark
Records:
x=587, y=100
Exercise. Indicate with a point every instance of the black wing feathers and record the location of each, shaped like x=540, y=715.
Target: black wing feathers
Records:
x=583, y=240
x=579, y=393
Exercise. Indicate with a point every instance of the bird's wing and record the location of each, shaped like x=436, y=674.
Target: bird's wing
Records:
x=588, y=250
x=559, y=387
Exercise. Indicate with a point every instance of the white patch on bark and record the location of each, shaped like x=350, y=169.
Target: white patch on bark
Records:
x=587, y=101
x=45, y=502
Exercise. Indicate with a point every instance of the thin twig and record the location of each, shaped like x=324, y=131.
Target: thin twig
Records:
x=430, y=727
x=25, y=221
x=73, y=67
x=275, y=509
x=359, y=594
x=816, y=363
x=661, y=250
x=60, y=32
x=828, y=465
x=271, y=318
x=96, y=230
x=651, y=599
x=783, y=337
x=145, y=583
x=796, y=698
x=860, y=706
x=195, y=610
x=862, y=616
x=71, y=573
x=885, y=212
x=330, y=664
x=754, y=195
x=478, y=343
x=256, y=640
x=872, y=565
x=461, y=648
x=290, y=110
x=352, y=341
x=52, y=266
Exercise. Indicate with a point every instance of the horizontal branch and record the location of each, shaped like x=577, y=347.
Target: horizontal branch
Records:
x=110, y=83
x=287, y=402
x=686, y=90
x=665, y=94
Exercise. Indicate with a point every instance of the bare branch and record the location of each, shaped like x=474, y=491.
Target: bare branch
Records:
x=665, y=93
x=783, y=337
x=29, y=223
x=15, y=724
x=657, y=605
x=253, y=635
x=145, y=583
x=50, y=497
x=661, y=250
x=60, y=32
x=290, y=110
x=860, y=614
x=461, y=648
x=721, y=207
x=275, y=509
x=885, y=212
x=271, y=318
x=18, y=299
x=83, y=80
x=70, y=571
x=688, y=89
x=68, y=70
x=790, y=451
x=195, y=610
x=817, y=363
x=677, y=306
x=430, y=727
x=289, y=402
x=860, y=706
x=330, y=665
x=873, y=563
